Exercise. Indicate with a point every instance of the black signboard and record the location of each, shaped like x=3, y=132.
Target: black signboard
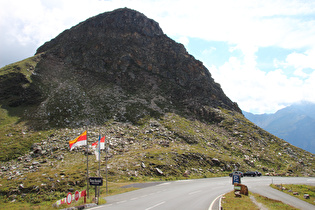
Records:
x=96, y=181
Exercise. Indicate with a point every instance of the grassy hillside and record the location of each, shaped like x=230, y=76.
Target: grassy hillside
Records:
x=16, y=138
x=26, y=66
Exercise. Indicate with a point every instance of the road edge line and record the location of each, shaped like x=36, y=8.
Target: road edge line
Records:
x=211, y=205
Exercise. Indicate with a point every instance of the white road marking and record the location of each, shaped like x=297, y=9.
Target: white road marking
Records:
x=211, y=206
x=156, y=205
x=191, y=193
x=184, y=180
x=98, y=207
x=121, y=201
x=166, y=183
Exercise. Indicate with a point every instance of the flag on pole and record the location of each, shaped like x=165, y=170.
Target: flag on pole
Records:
x=102, y=143
x=79, y=141
x=98, y=145
x=94, y=145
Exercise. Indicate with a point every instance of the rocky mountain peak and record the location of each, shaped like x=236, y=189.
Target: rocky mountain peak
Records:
x=126, y=20
x=121, y=21
x=121, y=65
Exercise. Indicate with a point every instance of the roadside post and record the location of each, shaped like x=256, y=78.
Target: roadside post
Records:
x=96, y=181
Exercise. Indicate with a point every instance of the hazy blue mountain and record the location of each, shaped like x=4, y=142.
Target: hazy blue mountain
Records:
x=295, y=124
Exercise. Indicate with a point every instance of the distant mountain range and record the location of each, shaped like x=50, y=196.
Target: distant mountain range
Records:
x=295, y=124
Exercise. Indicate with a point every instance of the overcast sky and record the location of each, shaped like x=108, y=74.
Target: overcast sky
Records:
x=262, y=53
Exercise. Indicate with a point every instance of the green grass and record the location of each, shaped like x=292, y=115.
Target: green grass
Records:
x=113, y=189
x=16, y=139
x=229, y=201
x=6, y=119
x=25, y=67
x=272, y=204
x=300, y=189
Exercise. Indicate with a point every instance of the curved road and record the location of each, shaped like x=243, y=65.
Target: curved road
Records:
x=201, y=194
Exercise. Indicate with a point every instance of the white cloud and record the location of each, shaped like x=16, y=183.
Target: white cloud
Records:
x=260, y=92
x=301, y=60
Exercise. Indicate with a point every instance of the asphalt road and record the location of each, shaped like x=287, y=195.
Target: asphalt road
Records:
x=200, y=194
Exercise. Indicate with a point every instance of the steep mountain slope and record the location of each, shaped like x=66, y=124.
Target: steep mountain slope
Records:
x=294, y=124
x=120, y=65
x=163, y=115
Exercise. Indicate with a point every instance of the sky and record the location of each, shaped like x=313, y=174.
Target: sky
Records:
x=262, y=53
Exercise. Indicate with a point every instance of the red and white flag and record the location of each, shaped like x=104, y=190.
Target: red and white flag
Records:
x=102, y=143
x=79, y=141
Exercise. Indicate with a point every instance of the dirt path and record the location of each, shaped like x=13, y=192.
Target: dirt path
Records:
x=259, y=205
